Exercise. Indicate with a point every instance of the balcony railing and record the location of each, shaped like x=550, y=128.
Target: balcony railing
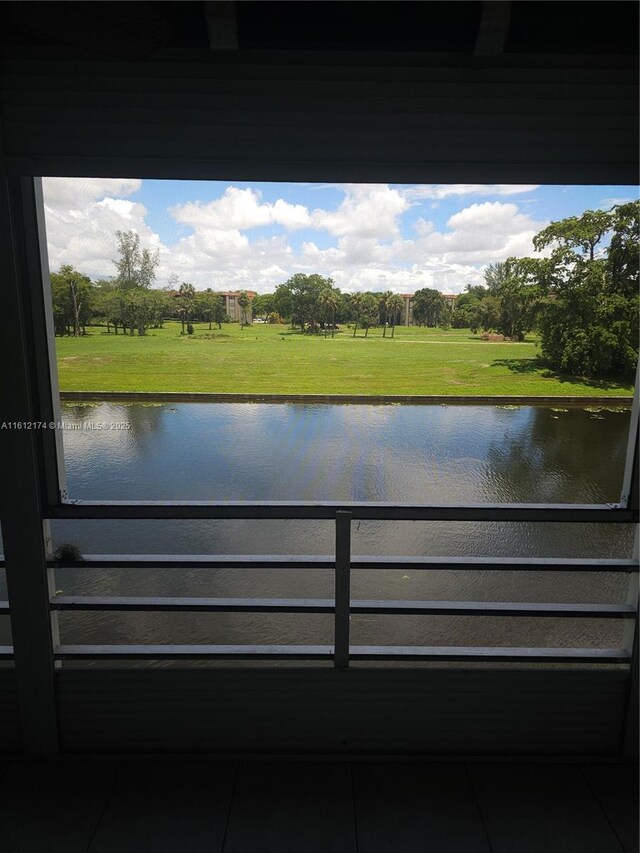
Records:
x=343, y=606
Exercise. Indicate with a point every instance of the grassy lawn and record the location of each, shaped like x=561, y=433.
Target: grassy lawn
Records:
x=275, y=360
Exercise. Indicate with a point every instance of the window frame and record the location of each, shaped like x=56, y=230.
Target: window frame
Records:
x=27, y=198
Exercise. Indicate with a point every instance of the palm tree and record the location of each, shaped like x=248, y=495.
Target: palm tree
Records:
x=383, y=307
x=329, y=300
x=243, y=302
x=356, y=306
x=187, y=295
x=394, y=305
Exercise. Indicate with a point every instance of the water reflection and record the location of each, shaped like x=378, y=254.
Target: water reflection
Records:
x=345, y=452
x=253, y=451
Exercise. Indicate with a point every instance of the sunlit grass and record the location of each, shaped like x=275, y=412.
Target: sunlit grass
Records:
x=264, y=359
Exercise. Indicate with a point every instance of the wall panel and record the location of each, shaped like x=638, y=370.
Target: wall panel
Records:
x=309, y=710
x=318, y=116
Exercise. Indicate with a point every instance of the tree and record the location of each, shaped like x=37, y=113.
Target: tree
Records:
x=304, y=293
x=515, y=284
x=368, y=312
x=466, y=307
x=244, y=302
x=138, y=310
x=263, y=304
x=590, y=325
x=486, y=315
x=283, y=301
x=623, y=254
x=112, y=309
x=73, y=301
x=428, y=307
x=329, y=300
x=136, y=267
x=383, y=310
x=212, y=305
x=576, y=232
x=395, y=304
x=159, y=307
x=356, y=309
x=186, y=303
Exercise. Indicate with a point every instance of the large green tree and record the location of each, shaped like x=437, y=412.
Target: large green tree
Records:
x=303, y=299
x=590, y=324
x=136, y=266
x=211, y=307
x=73, y=301
x=428, y=307
x=263, y=305
x=465, y=310
x=582, y=233
x=368, y=312
x=515, y=284
x=283, y=301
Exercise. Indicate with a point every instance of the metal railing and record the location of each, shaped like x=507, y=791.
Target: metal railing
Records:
x=342, y=607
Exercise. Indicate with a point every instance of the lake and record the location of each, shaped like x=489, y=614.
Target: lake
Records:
x=291, y=451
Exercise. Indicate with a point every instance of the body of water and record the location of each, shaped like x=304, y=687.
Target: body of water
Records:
x=399, y=453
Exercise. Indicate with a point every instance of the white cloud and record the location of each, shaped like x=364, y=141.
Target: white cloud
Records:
x=81, y=222
x=608, y=203
x=440, y=191
x=368, y=249
x=478, y=234
x=78, y=192
x=240, y=210
x=367, y=210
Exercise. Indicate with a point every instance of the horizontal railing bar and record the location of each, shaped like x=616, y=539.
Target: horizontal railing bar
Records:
x=496, y=608
x=446, y=653
x=195, y=561
x=490, y=653
x=395, y=563
x=191, y=652
x=384, y=607
x=179, y=604
x=566, y=513
x=6, y=652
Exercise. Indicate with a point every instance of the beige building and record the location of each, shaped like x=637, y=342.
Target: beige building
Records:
x=232, y=308
x=407, y=315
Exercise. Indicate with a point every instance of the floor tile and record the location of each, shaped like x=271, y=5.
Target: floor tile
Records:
x=417, y=807
x=166, y=807
x=541, y=808
x=52, y=807
x=615, y=786
x=297, y=807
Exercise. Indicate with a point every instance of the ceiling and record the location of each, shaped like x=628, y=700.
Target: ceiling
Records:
x=139, y=30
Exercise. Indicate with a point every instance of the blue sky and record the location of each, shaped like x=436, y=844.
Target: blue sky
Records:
x=239, y=235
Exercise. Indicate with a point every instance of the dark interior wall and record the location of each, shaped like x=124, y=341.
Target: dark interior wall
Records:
x=139, y=97
x=410, y=100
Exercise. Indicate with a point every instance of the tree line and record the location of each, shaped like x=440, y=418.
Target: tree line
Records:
x=128, y=303
x=581, y=297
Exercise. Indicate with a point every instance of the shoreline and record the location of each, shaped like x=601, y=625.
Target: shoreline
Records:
x=363, y=399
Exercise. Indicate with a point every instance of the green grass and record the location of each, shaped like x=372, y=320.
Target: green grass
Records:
x=275, y=360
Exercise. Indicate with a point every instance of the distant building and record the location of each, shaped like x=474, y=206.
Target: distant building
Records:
x=407, y=315
x=408, y=309
x=231, y=306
